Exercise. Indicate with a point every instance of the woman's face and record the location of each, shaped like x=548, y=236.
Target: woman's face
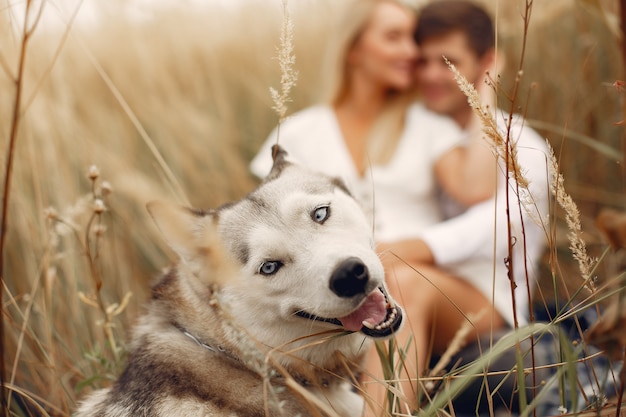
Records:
x=385, y=52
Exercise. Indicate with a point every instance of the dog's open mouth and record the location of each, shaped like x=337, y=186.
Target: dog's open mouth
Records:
x=377, y=316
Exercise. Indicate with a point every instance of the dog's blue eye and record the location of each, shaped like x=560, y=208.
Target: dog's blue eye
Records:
x=321, y=214
x=270, y=267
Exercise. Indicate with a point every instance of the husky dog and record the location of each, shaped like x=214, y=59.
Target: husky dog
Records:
x=268, y=311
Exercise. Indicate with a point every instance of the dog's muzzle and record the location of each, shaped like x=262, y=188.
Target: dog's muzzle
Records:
x=377, y=316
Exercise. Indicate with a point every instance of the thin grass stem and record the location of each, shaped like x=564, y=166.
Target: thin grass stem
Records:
x=10, y=154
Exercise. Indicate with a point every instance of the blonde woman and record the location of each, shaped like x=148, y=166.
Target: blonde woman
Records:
x=391, y=152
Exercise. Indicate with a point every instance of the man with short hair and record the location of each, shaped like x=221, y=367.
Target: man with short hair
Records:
x=474, y=246
x=463, y=33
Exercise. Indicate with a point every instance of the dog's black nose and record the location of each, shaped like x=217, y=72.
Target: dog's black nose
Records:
x=349, y=278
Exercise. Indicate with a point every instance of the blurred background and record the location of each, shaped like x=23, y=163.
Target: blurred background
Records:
x=169, y=100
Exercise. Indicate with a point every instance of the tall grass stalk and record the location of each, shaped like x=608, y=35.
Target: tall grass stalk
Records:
x=27, y=31
x=577, y=244
x=288, y=74
x=286, y=60
x=171, y=178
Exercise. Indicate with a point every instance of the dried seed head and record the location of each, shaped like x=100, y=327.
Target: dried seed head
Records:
x=106, y=188
x=286, y=60
x=98, y=206
x=50, y=213
x=578, y=245
x=94, y=172
x=89, y=300
x=51, y=273
x=100, y=229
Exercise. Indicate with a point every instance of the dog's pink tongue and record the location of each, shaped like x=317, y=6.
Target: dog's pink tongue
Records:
x=373, y=311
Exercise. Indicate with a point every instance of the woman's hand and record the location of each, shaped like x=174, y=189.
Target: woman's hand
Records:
x=411, y=251
x=468, y=173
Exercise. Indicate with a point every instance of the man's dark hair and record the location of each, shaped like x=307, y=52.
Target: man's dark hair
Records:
x=443, y=17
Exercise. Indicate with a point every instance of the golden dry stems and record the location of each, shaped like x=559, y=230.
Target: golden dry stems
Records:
x=198, y=83
x=577, y=246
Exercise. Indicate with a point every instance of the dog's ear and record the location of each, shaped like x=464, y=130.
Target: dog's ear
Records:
x=179, y=226
x=193, y=236
x=279, y=155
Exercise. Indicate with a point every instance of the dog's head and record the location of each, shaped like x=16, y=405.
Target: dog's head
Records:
x=305, y=252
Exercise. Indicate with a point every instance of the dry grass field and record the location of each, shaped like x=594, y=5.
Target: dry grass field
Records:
x=171, y=105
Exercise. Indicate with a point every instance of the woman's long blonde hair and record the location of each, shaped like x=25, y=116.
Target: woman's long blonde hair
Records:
x=354, y=15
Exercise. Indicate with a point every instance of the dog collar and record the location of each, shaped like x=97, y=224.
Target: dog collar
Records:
x=217, y=349
x=301, y=380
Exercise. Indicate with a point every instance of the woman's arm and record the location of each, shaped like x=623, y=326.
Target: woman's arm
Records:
x=468, y=173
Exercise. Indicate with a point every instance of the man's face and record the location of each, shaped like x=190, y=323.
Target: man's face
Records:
x=435, y=80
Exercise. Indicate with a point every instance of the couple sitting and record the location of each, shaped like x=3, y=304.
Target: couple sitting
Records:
x=396, y=127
